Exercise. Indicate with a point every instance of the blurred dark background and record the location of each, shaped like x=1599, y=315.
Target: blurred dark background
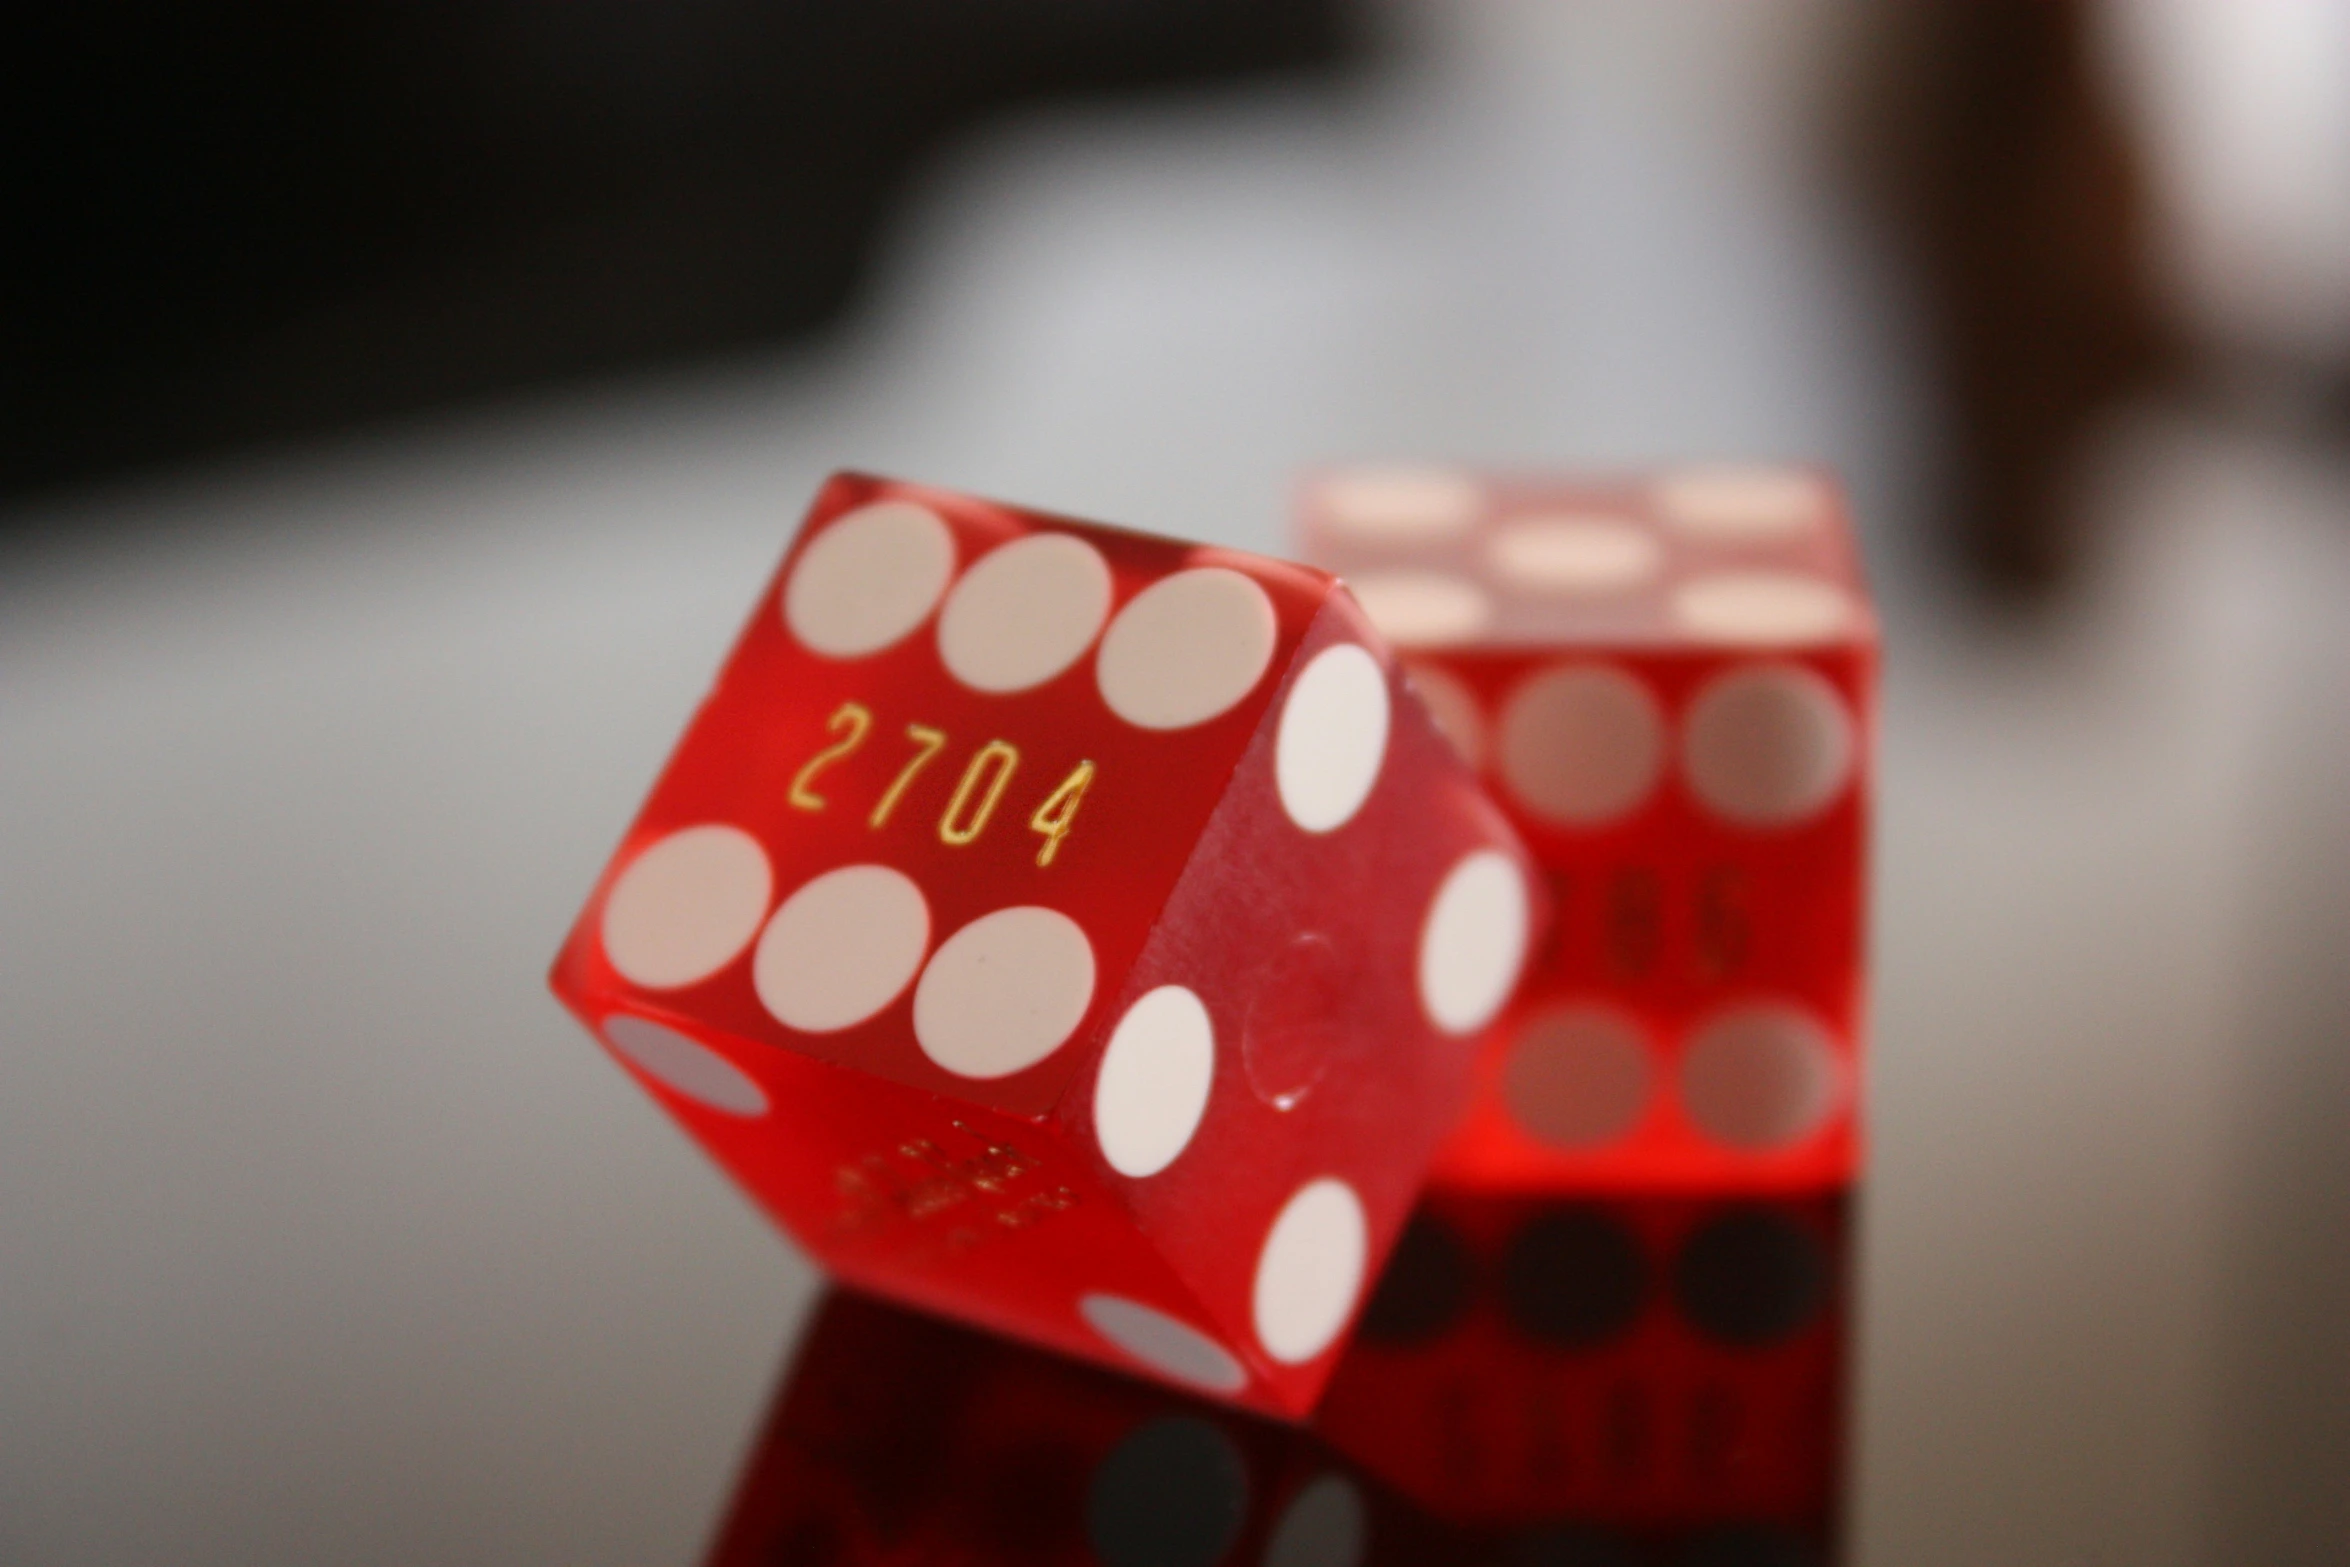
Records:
x=249, y=222
x=255, y=223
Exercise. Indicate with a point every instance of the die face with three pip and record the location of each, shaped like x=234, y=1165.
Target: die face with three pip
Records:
x=1669, y=684
x=1076, y=932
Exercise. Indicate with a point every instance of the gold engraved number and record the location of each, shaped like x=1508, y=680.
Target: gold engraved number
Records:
x=977, y=793
x=995, y=762
x=851, y=723
x=927, y=743
x=1059, y=811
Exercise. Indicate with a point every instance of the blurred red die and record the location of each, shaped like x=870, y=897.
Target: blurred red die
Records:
x=1670, y=684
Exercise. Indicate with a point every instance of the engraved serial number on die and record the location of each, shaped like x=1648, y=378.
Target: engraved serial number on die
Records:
x=977, y=792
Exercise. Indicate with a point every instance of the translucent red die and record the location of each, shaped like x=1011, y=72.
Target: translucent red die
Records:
x=1075, y=932
x=1669, y=683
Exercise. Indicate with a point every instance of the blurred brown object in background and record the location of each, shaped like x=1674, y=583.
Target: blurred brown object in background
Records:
x=1988, y=139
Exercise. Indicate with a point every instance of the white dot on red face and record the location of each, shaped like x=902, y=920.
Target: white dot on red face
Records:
x=1154, y=1081
x=1004, y=992
x=686, y=1067
x=868, y=579
x=1762, y=608
x=1473, y=941
x=1173, y=1348
x=1577, y=1076
x=684, y=908
x=1026, y=611
x=1759, y=1077
x=1398, y=505
x=1575, y=556
x=1186, y=648
x=1453, y=708
x=1310, y=1270
x=841, y=948
x=1768, y=745
x=1332, y=737
x=1422, y=608
x=1581, y=744
x=1741, y=505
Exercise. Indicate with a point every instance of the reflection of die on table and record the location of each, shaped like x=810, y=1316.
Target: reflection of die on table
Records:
x=1065, y=929
x=1654, y=1362
x=1669, y=683
x=899, y=1438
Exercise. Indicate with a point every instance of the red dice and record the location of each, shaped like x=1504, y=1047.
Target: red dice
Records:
x=1072, y=931
x=1669, y=684
x=1634, y=1362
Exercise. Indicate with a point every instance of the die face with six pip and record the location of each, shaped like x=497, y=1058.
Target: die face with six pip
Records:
x=1669, y=684
x=1072, y=931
